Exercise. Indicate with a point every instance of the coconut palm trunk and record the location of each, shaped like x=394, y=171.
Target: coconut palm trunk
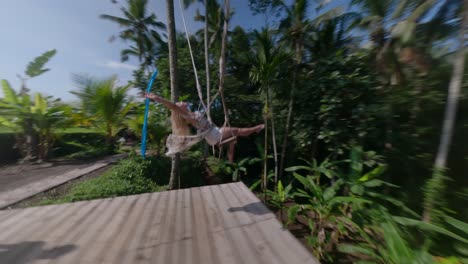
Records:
x=30, y=146
x=265, y=157
x=207, y=61
x=175, y=164
x=222, y=60
x=273, y=134
x=450, y=115
x=298, y=59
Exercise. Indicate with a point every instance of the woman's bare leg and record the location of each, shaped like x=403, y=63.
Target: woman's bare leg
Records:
x=229, y=132
x=230, y=151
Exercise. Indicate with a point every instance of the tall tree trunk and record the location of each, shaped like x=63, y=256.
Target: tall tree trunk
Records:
x=30, y=143
x=416, y=109
x=298, y=59
x=109, y=141
x=175, y=164
x=433, y=188
x=273, y=135
x=207, y=63
x=265, y=156
x=222, y=61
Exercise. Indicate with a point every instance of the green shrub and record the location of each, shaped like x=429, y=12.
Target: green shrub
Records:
x=84, y=145
x=130, y=176
x=191, y=169
x=87, y=151
x=7, y=145
x=72, y=143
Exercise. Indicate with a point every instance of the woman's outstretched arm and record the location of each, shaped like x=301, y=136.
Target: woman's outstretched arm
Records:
x=170, y=105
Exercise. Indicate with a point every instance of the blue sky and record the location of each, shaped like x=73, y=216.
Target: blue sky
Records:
x=31, y=27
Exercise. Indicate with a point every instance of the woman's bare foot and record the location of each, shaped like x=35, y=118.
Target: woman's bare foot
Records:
x=259, y=128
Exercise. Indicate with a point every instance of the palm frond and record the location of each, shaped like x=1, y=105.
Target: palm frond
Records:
x=8, y=92
x=35, y=67
x=118, y=20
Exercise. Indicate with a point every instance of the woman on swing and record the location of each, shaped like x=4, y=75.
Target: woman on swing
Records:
x=209, y=131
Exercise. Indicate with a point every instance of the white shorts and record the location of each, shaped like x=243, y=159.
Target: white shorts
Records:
x=214, y=136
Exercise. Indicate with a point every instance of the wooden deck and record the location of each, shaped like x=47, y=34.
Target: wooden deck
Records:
x=213, y=224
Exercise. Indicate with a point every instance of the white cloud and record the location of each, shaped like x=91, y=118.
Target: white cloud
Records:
x=119, y=65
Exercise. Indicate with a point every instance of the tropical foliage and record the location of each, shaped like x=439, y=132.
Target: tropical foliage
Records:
x=34, y=120
x=362, y=151
x=105, y=104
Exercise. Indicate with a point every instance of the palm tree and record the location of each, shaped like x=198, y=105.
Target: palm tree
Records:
x=49, y=115
x=330, y=34
x=15, y=110
x=105, y=103
x=20, y=104
x=38, y=119
x=265, y=71
x=375, y=15
x=222, y=59
x=295, y=27
x=140, y=29
x=440, y=164
x=416, y=38
x=175, y=165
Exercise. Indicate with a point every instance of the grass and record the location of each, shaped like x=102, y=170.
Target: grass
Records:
x=6, y=130
x=130, y=176
x=72, y=130
x=77, y=130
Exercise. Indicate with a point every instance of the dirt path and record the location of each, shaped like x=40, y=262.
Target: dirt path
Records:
x=18, y=182
x=14, y=176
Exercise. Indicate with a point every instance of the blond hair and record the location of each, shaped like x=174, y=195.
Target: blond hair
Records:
x=180, y=127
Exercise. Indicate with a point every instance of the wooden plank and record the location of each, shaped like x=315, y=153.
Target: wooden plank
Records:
x=71, y=233
x=123, y=236
x=228, y=220
x=261, y=245
x=8, y=213
x=162, y=251
x=20, y=215
x=28, y=239
x=103, y=242
x=130, y=254
x=66, y=221
x=25, y=223
x=212, y=212
x=295, y=253
x=179, y=216
x=176, y=248
x=88, y=238
x=236, y=208
x=225, y=249
x=74, y=228
x=246, y=248
x=213, y=224
x=145, y=254
x=187, y=243
x=202, y=239
x=257, y=210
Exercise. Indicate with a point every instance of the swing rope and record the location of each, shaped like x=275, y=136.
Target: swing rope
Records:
x=184, y=142
x=221, y=90
x=200, y=95
x=222, y=63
